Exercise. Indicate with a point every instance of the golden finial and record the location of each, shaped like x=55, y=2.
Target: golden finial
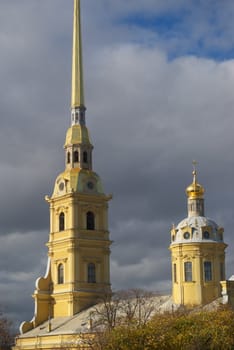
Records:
x=194, y=171
x=195, y=190
x=77, y=93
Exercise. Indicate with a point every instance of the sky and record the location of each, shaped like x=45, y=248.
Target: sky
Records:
x=159, y=88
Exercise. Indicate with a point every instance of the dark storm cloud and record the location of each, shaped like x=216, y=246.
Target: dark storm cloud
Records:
x=22, y=260
x=178, y=113
x=149, y=117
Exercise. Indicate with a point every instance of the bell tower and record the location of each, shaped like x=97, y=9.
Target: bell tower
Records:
x=197, y=252
x=79, y=245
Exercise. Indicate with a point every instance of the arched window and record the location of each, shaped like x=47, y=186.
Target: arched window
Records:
x=68, y=158
x=76, y=157
x=91, y=273
x=60, y=274
x=85, y=157
x=90, y=221
x=61, y=222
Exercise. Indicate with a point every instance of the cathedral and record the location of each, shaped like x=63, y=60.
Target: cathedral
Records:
x=78, y=272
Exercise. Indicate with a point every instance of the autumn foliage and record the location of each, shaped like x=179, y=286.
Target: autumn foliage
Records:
x=182, y=331
x=128, y=321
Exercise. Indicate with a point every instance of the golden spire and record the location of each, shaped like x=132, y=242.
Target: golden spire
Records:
x=77, y=93
x=195, y=190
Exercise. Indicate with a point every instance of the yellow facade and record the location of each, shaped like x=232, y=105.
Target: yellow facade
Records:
x=78, y=273
x=197, y=253
x=52, y=342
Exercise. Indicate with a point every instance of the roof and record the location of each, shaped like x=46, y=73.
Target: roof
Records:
x=80, y=323
x=197, y=229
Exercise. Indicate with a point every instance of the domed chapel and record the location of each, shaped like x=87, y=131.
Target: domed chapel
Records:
x=197, y=252
x=78, y=269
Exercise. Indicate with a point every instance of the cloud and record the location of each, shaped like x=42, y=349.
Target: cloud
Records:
x=154, y=103
x=160, y=121
x=23, y=259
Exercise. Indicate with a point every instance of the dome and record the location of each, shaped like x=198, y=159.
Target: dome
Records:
x=197, y=229
x=197, y=222
x=195, y=190
x=77, y=134
x=78, y=180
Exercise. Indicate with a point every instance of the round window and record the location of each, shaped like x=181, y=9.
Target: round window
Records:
x=90, y=185
x=186, y=235
x=206, y=234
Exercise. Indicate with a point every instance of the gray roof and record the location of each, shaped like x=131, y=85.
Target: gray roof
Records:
x=80, y=323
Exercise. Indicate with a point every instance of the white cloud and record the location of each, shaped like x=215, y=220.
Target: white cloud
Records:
x=149, y=117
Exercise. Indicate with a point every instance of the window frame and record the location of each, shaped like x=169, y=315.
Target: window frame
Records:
x=61, y=221
x=60, y=274
x=174, y=273
x=68, y=157
x=76, y=156
x=91, y=273
x=222, y=271
x=207, y=266
x=85, y=157
x=90, y=221
x=188, y=271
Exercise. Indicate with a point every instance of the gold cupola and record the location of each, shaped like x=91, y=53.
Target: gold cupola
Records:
x=195, y=193
x=195, y=190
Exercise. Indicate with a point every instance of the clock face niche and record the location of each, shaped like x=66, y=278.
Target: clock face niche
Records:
x=61, y=186
x=90, y=185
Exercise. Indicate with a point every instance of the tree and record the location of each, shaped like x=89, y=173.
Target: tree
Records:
x=137, y=306
x=177, y=331
x=6, y=336
x=126, y=321
x=130, y=308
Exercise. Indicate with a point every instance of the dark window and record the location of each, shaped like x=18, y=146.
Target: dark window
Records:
x=208, y=271
x=90, y=221
x=206, y=234
x=91, y=273
x=85, y=157
x=188, y=276
x=76, y=157
x=186, y=235
x=222, y=272
x=68, y=158
x=60, y=274
x=174, y=273
x=61, y=222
